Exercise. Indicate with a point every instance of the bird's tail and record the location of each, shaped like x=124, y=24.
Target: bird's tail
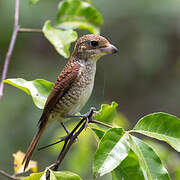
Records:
x=32, y=146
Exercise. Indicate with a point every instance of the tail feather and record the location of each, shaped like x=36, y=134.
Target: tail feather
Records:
x=32, y=146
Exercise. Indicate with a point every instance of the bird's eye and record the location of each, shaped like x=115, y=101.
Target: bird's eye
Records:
x=94, y=43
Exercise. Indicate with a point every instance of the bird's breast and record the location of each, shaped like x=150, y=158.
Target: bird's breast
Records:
x=79, y=93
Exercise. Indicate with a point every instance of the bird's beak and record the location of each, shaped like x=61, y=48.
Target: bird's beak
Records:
x=110, y=49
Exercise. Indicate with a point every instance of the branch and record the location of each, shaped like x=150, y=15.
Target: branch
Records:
x=30, y=30
x=8, y=175
x=16, y=29
x=100, y=123
x=64, y=149
x=11, y=47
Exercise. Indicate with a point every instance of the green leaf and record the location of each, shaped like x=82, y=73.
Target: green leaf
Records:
x=78, y=14
x=35, y=176
x=111, y=151
x=60, y=39
x=150, y=163
x=129, y=169
x=63, y=175
x=33, y=1
x=39, y=89
x=97, y=131
x=161, y=126
x=107, y=113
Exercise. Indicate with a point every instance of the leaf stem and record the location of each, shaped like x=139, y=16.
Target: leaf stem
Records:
x=8, y=175
x=30, y=30
x=101, y=123
x=11, y=46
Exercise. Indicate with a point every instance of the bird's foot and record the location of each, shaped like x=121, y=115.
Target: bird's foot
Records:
x=89, y=116
x=86, y=115
x=62, y=138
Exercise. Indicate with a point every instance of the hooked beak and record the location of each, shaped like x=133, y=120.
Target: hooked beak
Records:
x=110, y=49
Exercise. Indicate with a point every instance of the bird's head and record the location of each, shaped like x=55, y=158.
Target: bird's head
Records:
x=93, y=47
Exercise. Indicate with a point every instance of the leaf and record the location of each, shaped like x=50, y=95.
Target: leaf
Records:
x=19, y=167
x=39, y=89
x=78, y=14
x=97, y=131
x=128, y=169
x=60, y=39
x=111, y=151
x=36, y=176
x=107, y=113
x=33, y=1
x=63, y=175
x=161, y=126
x=150, y=163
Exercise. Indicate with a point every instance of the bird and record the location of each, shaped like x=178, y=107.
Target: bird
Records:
x=73, y=86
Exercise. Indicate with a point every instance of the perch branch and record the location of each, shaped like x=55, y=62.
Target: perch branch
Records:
x=16, y=29
x=11, y=47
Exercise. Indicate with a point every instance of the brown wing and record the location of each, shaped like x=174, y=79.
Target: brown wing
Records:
x=62, y=85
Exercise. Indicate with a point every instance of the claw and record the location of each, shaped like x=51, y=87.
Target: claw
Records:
x=63, y=137
x=86, y=125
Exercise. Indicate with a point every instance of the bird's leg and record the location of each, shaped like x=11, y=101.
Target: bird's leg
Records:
x=87, y=119
x=86, y=115
x=67, y=131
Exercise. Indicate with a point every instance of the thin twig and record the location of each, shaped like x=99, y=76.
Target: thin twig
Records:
x=30, y=30
x=11, y=47
x=8, y=175
x=100, y=123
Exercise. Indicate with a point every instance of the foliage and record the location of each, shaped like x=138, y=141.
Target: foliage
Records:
x=59, y=38
x=71, y=14
x=39, y=89
x=157, y=126
x=119, y=149
x=65, y=175
x=78, y=14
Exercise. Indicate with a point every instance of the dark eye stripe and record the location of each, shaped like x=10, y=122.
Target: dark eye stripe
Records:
x=94, y=43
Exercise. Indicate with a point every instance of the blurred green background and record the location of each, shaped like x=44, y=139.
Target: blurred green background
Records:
x=143, y=77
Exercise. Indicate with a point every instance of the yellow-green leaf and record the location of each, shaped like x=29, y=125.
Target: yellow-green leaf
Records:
x=112, y=150
x=129, y=169
x=162, y=126
x=78, y=14
x=107, y=113
x=39, y=89
x=63, y=175
x=150, y=163
x=60, y=39
x=36, y=176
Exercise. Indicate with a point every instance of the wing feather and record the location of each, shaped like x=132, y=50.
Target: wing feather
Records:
x=62, y=85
